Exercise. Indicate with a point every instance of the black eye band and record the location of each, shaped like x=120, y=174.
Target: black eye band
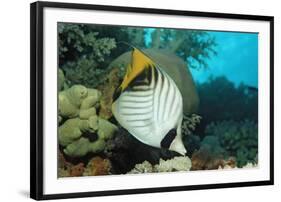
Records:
x=116, y=94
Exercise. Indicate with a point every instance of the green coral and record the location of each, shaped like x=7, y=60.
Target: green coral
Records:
x=239, y=139
x=75, y=100
x=70, y=135
x=212, y=144
x=77, y=117
x=83, y=146
x=82, y=53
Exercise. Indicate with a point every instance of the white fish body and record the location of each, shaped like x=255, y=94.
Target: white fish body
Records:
x=152, y=108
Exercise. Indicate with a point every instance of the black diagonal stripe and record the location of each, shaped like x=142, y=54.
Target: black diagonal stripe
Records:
x=168, y=139
x=139, y=95
x=116, y=94
x=154, y=76
x=167, y=95
x=149, y=72
x=142, y=126
x=160, y=92
x=136, y=120
x=173, y=99
x=137, y=114
x=140, y=88
x=135, y=107
x=136, y=101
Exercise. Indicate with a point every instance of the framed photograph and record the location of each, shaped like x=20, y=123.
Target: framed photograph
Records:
x=134, y=100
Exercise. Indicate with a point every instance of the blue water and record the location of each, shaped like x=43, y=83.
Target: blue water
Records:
x=237, y=58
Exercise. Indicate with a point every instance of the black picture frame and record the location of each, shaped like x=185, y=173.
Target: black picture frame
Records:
x=37, y=101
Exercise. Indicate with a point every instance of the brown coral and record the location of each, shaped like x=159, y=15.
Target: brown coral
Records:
x=77, y=170
x=112, y=82
x=97, y=166
x=204, y=160
x=67, y=169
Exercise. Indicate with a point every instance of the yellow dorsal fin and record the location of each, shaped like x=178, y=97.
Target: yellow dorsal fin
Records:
x=139, y=62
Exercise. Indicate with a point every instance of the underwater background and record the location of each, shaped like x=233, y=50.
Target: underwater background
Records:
x=220, y=126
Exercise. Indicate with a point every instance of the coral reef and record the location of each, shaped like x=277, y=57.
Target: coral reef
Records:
x=97, y=166
x=178, y=163
x=239, y=139
x=82, y=131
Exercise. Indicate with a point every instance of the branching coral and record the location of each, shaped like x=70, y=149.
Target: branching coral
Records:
x=182, y=163
x=239, y=139
x=189, y=123
x=82, y=53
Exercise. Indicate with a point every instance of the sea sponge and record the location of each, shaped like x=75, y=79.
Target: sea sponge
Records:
x=97, y=166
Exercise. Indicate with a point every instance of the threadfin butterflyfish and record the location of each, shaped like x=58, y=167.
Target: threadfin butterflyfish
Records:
x=149, y=104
